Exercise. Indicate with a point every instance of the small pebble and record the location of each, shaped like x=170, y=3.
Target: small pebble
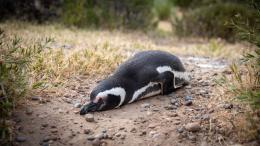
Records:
x=90, y=138
x=20, y=139
x=145, y=105
x=87, y=131
x=188, y=103
x=96, y=142
x=29, y=111
x=228, y=106
x=89, y=117
x=77, y=105
x=174, y=101
x=133, y=130
x=193, y=127
x=35, y=98
x=187, y=98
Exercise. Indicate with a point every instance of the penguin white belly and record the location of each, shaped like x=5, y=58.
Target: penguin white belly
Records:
x=149, y=90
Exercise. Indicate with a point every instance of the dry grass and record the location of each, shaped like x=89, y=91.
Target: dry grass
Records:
x=123, y=42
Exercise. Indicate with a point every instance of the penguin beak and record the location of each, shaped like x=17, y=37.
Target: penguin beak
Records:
x=90, y=107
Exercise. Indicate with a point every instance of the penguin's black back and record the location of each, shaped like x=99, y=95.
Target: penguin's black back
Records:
x=147, y=61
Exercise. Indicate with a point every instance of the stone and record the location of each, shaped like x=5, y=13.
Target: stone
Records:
x=142, y=133
x=170, y=107
x=89, y=117
x=193, y=127
x=173, y=101
x=20, y=139
x=118, y=134
x=133, y=130
x=145, y=105
x=188, y=103
x=205, y=117
x=87, y=131
x=90, y=138
x=36, y=98
x=187, y=98
x=100, y=136
x=96, y=142
x=172, y=114
x=28, y=111
x=228, y=106
x=152, y=125
x=77, y=105
x=180, y=129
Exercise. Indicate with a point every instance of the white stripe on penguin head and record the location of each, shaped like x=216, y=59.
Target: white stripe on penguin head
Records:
x=117, y=91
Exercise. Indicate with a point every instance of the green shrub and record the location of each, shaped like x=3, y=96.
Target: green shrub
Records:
x=162, y=9
x=110, y=14
x=14, y=78
x=213, y=20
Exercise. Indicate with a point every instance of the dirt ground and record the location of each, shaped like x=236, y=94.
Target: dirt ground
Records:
x=52, y=119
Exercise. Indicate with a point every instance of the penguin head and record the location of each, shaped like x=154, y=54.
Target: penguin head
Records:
x=104, y=97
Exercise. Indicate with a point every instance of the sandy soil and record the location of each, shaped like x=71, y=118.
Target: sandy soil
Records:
x=168, y=120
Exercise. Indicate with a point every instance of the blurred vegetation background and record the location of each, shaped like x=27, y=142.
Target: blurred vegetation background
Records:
x=204, y=18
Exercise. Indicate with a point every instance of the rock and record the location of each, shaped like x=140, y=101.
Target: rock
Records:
x=192, y=137
x=45, y=125
x=188, y=98
x=180, y=129
x=46, y=138
x=152, y=125
x=121, y=128
x=228, y=106
x=133, y=130
x=36, y=98
x=172, y=114
x=211, y=111
x=118, y=134
x=20, y=139
x=87, y=131
x=28, y=111
x=188, y=103
x=123, y=136
x=77, y=105
x=152, y=133
x=45, y=144
x=142, y=133
x=205, y=117
x=54, y=130
x=193, y=127
x=173, y=101
x=100, y=136
x=170, y=107
x=89, y=117
x=90, y=138
x=96, y=142
x=145, y=105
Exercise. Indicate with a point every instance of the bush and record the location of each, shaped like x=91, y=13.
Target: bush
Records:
x=162, y=9
x=110, y=14
x=14, y=78
x=213, y=20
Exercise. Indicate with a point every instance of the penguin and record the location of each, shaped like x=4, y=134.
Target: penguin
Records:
x=146, y=74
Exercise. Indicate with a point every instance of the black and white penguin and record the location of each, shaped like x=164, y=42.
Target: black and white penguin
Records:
x=146, y=74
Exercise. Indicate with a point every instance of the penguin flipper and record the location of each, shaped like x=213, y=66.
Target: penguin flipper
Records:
x=166, y=81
